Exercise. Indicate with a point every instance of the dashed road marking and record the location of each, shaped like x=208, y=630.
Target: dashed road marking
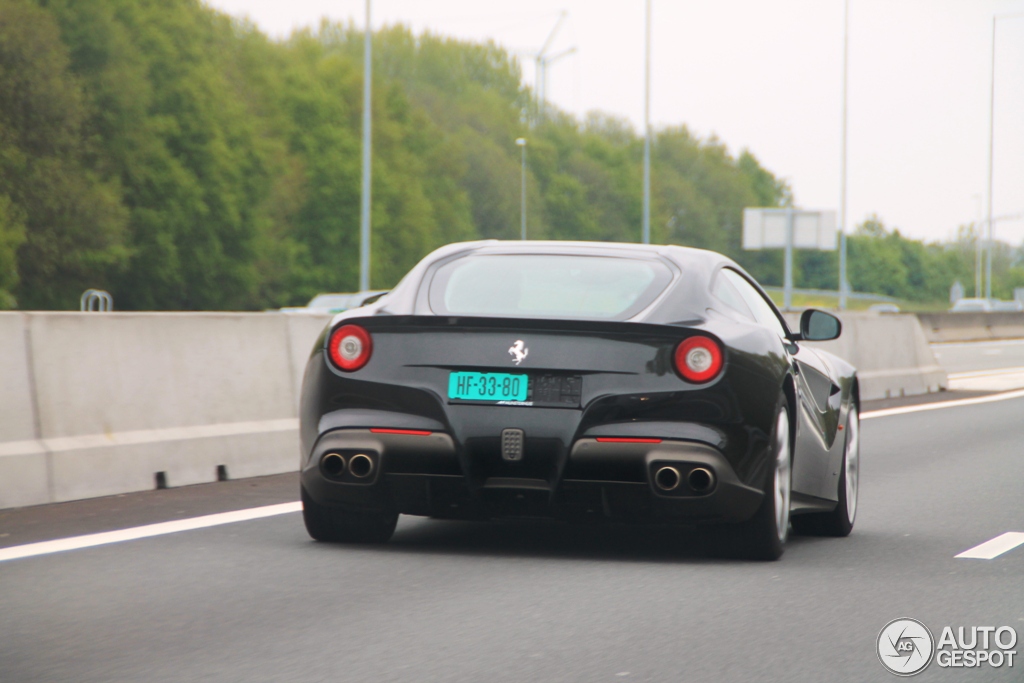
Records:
x=147, y=531
x=989, y=550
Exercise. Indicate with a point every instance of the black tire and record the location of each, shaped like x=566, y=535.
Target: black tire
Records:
x=334, y=525
x=839, y=522
x=763, y=536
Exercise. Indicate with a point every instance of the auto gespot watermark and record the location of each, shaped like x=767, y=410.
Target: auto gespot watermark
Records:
x=906, y=647
x=976, y=646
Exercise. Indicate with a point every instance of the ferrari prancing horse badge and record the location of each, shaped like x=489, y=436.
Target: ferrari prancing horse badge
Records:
x=518, y=351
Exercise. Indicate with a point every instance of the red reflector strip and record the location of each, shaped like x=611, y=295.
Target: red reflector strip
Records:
x=408, y=432
x=612, y=439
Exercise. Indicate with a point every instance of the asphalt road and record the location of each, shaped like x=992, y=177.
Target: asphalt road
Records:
x=983, y=366
x=956, y=357
x=448, y=601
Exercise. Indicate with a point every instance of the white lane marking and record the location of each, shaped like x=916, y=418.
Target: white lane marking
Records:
x=988, y=550
x=939, y=405
x=147, y=531
x=72, y=443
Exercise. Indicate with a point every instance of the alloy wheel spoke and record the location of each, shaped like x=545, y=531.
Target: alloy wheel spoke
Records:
x=852, y=466
x=782, y=478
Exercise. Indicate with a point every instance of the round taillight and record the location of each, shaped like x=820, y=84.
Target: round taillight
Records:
x=698, y=359
x=350, y=347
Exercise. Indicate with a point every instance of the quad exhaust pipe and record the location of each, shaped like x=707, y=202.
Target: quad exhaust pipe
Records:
x=360, y=465
x=699, y=479
x=333, y=464
x=667, y=478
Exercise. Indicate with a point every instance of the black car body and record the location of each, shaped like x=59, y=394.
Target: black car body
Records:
x=619, y=382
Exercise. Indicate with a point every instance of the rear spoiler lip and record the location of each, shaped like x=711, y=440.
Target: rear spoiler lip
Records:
x=386, y=323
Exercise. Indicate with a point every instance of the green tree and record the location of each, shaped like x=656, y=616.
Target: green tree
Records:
x=208, y=166
x=183, y=145
x=12, y=235
x=58, y=209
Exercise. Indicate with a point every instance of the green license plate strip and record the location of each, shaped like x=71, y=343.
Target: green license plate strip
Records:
x=487, y=386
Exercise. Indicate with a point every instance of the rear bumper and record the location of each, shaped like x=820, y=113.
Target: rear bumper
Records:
x=597, y=480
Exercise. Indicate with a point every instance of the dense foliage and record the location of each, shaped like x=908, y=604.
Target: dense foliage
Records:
x=182, y=160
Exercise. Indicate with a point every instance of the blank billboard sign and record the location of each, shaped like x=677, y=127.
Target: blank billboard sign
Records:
x=766, y=229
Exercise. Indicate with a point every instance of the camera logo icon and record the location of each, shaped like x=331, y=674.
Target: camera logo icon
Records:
x=905, y=647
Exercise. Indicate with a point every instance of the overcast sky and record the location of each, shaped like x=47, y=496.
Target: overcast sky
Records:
x=766, y=75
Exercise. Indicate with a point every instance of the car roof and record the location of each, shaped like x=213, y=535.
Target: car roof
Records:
x=686, y=298
x=682, y=256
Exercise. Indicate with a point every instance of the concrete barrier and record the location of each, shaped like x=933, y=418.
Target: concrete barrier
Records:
x=954, y=327
x=303, y=330
x=95, y=404
x=24, y=477
x=890, y=352
x=99, y=404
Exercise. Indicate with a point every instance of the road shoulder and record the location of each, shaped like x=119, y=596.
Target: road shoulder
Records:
x=19, y=526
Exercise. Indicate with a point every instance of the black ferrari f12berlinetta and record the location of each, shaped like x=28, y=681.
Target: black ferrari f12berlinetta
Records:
x=582, y=381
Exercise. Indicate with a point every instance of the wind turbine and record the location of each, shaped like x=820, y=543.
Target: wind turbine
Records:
x=543, y=60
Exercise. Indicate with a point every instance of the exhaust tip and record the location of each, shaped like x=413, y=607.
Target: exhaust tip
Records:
x=667, y=478
x=332, y=464
x=701, y=479
x=360, y=465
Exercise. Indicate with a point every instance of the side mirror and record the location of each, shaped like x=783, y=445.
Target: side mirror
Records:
x=819, y=326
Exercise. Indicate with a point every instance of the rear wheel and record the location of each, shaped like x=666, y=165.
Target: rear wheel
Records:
x=763, y=537
x=335, y=525
x=839, y=522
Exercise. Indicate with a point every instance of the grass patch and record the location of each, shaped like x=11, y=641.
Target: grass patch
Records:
x=831, y=302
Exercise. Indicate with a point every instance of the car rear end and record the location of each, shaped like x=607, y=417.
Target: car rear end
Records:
x=562, y=406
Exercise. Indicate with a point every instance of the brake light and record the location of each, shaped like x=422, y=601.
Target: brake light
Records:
x=407, y=432
x=698, y=359
x=616, y=439
x=350, y=347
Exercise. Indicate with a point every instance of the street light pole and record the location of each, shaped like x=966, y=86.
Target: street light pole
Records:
x=647, y=130
x=991, y=155
x=787, y=276
x=991, y=151
x=364, y=215
x=522, y=199
x=842, y=161
x=979, y=224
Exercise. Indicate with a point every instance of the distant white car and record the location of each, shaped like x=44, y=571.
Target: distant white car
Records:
x=972, y=305
x=1007, y=306
x=336, y=303
x=884, y=308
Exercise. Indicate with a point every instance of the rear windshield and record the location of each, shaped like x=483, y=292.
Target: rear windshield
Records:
x=548, y=286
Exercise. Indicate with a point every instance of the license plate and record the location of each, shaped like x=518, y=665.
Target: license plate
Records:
x=487, y=386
